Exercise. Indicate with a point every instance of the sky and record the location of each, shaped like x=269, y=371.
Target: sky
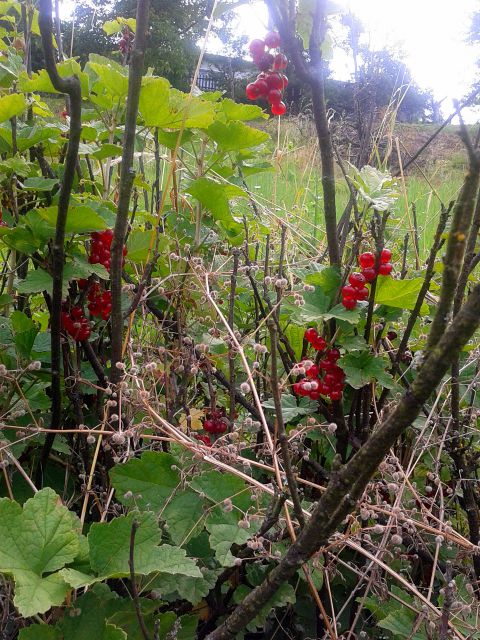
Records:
x=429, y=33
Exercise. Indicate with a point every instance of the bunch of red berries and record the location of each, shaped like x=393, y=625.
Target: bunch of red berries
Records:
x=270, y=83
x=76, y=324
x=356, y=289
x=327, y=379
x=215, y=421
x=125, y=44
x=99, y=302
x=318, y=343
x=100, y=248
x=203, y=438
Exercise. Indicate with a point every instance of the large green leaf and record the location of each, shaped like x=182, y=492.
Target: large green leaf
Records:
x=283, y=596
x=222, y=536
x=110, y=547
x=39, y=632
x=151, y=479
x=161, y=106
x=41, y=81
x=35, y=282
x=218, y=487
x=191, y=589
x=401, y=294
x=11, y=105
x=291, y=407
x=215, y=196
x=237, y=111
x=361, y=368
x=184, y=515
x=80, y=219
x=37, y=540
x=233, y=136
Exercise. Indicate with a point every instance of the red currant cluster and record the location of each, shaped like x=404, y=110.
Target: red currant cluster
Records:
x=100, y=248
x=356, y=289
x=215, y=421
x=317, y=342
x=99, y=302
x=203, y=438
x=270, y=82
x=327, y=379
x=76, y=324
x=126, y=43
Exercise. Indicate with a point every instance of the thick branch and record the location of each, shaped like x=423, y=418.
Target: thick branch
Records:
x=127, y=176
x=71, y=87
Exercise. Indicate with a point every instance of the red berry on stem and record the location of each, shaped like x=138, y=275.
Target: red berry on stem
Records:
x=349, y=303
x=363, y=293
x=369, y=274
x=357, y=280
x=385, y=269
x=279, y=109
x=349, y=292
x=333, y=355
x=274, y=96
x=280, y=62
x=335, y=395
x=262, y=88
x=313, y=371
x=385, y=256
x=256, y=48
x=275, y=81
x=392, y=335
x=319, y=343
x=310, y=334
x=366, y=260
x=272, y=40
x=252, y=91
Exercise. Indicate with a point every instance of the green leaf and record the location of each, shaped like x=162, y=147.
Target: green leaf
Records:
x=237, y=111
x=25, y=332
x=340, y=313
x=191, y=589
x=327, y=278
x=215, y=196
x=90, y=621
x=291, y=407
x=401, y=623
x=108, y=151
x=41, y=81
x=115, y=26
x=39, y=184
x=401, y=294
x=81, y=268
x=21, y=239
x=12, y=105
x=152, y=479
x=110, y=548
x=233, y=136
x=316, y=304
x=35, y=282
x=141, y=245
x=218, y=487
x=362, y=368
x=161, y=106
x=184, y=515
x=222, y=536
x=39, y=632
x=80, y=219
x=37, y=540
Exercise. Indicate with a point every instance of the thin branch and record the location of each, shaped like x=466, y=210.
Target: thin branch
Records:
x=127, y=176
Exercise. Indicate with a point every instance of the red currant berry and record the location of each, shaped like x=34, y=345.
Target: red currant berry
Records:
x=369, y=274
x=357, y=280
x=363, y=293
x=279, y=109
x=366, y=260
x=385, y=269
x=251, y=91
x=385, y=256
x=392, y=335
x=205, y=439
x=262, y=88
x=326, y=365
x=274, y=96
x=280, y=62
x=256, y=48
x=349, y=303
x=319, y=343
x=335, y=395
x=310, y=334
x=275, y=81
x=272, y=40
x=297, y=387
x=333, y=355
x=349, y=292
x=313, y=371
x=209, y=425
x=315, y=395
